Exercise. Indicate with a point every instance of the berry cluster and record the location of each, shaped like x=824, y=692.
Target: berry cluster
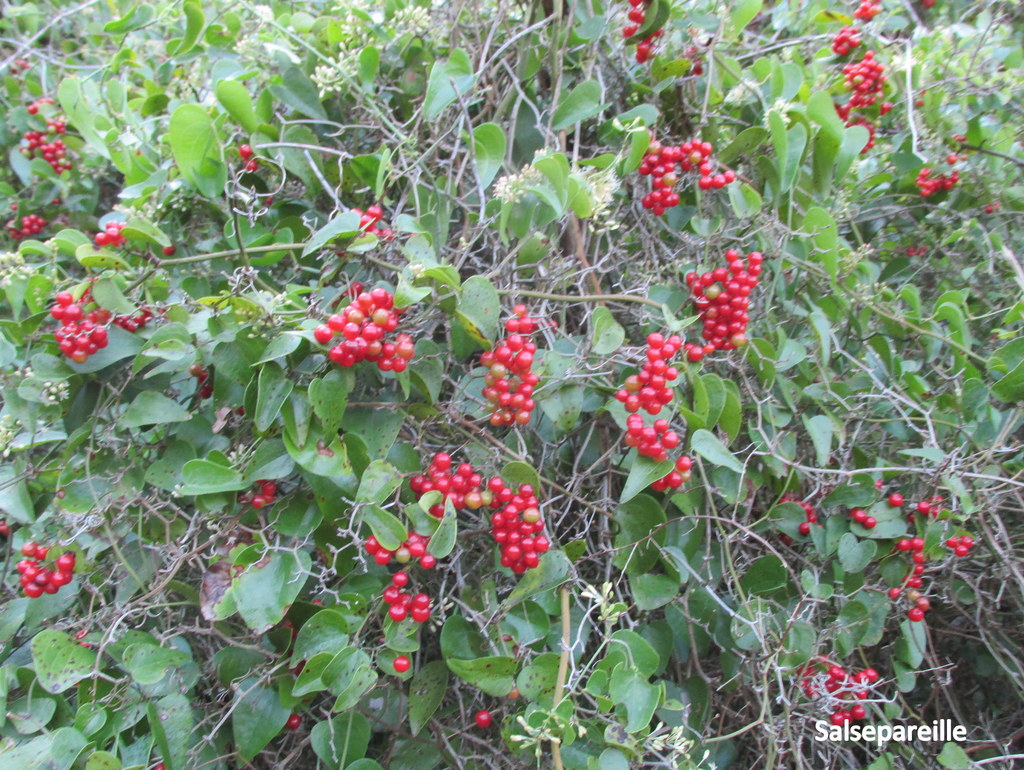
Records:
x=637, y=16
x=660, y=164
x=960, y=545
x=722, y=298
x=202, y=376
x=369, y=222
x=30, y=225
x=860, y=516
x=652, y=441
x=517, y=526
x=868, y=9
x=509, y=382
x=43, y=145
x=649, y=389
x=264, y=496
x=110, y=235
x=81, y=334
x=674, y=478
x=37, y=579
x=132, y=323
x=824, y=679
x=914, y=546
x=33, y=109
x=404, y=605
x=461, y=486
x=19, y=65
x=845, y=41
x=810, y=516
x=929, y=185
x=931, y=507
x=414, y=547
x=363, y=324
x=916, y=251
x=695, y=55
x=866, y=79
x=993, y=207
x=245, y=153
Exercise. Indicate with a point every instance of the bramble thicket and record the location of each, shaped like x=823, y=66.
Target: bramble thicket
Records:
x=591, y=385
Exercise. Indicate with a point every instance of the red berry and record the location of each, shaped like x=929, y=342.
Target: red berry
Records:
x=401, y=664
x=896, y=500
x=483, y=719
x=170, y=251
x=293, y=722
x=915, y=614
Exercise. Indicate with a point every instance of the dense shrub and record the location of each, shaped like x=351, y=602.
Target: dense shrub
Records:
x=573, y=385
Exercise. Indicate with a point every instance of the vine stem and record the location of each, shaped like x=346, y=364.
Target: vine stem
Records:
x=259, y=250
x=563, y=670
x=583, y=297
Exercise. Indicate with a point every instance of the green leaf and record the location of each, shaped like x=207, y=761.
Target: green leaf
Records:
x=563, y=406
x=495, y=675
x=328, y=396
x=327, y=631
x=607, y=334
x=479, y=309
x=149, y=663
x=642, y=473
x=489, y=145
x=640, y=697
x=641, y=530
x=235, y=98
x=707, y=445
x=855, y=494
x=256, y=718
x=822, y=227
x=152, y=408
x=655, y=16
x=319, y=457
x=582, y=102
x=136, y=18
x=764, y=576
x=171, y=722
x=653, y=591
x=264, y=591
x=822, y=110
x=952, y=757
x=518, y=473
x=103, y=760
x=745, y=200
x=195, y=20
x=345, y=226
x=388, y=530
x=341, y=740
x=197, y=150
x=203, y=477
x=426, y=691
x=59, y=661
x=448, y=81
x=820, y=429
x=743, y=145
x=855, y=554
x=81, y=110
x=552, y=571
x=743, y=12
x=442, y=542
x=379, y=481
x=107, y=294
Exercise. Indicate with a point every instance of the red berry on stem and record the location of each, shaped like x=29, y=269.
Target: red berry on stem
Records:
x=483, y=719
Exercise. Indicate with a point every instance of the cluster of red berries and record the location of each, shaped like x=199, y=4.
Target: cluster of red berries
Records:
x=110, y=235
x=929, y=185
x=916, y=251
x=866, y=79
x=868, y=9
x=414, y=547
x=695, y=56
x=637, y=16
x=81, y=334
x=369, y=222
x=33, y=109
x=960, y=545
x=54, y=152
x=652, y=441
x=19, y=64
x=404, y=605
x=363, y=324
x=265, y=494
x=845, y=41
x=509, y=382
x=649, y=389
x=722, y=298
x=860, y=516
x=810, y=516
x=461, y=486
x=37, y=579
x=660, y=164
x=134, y=322
x=930, y=508
x=676, y=477
x=821, y=678
x=30, y=225
x=202, y=375
x=245, y=153
x=517, y=526
x=993, y=207
x=915, y=547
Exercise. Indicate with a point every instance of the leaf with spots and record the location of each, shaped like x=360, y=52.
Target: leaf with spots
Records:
x=59, y=661
x=495, y=675
x=426, y=691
